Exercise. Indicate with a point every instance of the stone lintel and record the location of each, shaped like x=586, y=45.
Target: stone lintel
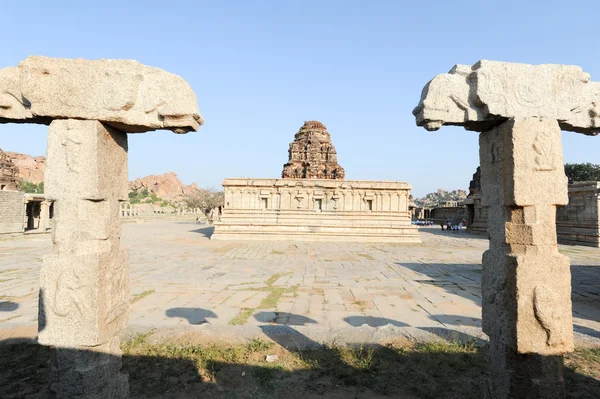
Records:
x=488, y=93
x=124, y=94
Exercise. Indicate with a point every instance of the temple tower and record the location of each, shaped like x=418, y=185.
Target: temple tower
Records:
x=311, y=155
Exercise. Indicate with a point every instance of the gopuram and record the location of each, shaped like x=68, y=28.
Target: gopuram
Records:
x=519, y=111
x=312, y=202
x=90, y=106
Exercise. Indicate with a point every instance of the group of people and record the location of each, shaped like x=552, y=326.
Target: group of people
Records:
x=456, y=227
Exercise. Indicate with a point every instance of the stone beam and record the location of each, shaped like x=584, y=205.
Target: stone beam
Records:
x=124, y=94
x=84, y=281
x=486, y=94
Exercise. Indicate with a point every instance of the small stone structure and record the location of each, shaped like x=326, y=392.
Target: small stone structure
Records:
x=476, y=213
x=12, y=212
x=519, y=110
x=316, y=210
x=578, y=223
x=39, y=212
x=311, y=155
x=90, y=106
x=128, y=210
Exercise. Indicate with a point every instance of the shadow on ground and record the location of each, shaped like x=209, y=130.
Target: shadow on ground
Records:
x=192, y=315
x=188, y=371
x=371, y=321
x=206, y=231
x=8, y=306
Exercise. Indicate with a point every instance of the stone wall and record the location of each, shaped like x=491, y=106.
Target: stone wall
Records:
x=578, y=222
x=12, y=212
x=316, y=209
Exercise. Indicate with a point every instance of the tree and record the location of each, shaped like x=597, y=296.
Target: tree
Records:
x=32, y=188
x=206, y=200
x=582, y=172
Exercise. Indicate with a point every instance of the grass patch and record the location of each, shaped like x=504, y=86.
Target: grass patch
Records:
x=137, y=297
x=273, y=252
x=182, y=369
x=366, y=256
x=269, y=302
x=275, y=277
x=361, y=305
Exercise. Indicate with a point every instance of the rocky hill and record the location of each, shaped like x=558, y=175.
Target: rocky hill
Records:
x=432, y=200
x=30, y=168
x=167, y=186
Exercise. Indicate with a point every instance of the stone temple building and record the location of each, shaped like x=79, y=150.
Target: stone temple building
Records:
x=577, y=223
x=312, y=155
x=312, y=202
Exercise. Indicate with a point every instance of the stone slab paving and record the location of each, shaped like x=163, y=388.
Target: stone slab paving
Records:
x=179, y=278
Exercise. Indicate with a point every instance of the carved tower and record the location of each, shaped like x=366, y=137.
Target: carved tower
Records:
x=311, y=155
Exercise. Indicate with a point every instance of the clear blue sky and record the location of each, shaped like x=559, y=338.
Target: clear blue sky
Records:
x=261, y=68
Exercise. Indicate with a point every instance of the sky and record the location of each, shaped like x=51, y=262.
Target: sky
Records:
x=261, y=68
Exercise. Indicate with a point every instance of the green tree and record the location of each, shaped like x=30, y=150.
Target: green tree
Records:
x=582, y=172
x=32, y=188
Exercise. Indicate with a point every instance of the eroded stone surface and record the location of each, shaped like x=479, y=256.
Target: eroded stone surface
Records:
x=124, y=94
x=490, y=92
x=84, y=281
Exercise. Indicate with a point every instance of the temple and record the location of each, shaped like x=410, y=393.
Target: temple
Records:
x=313, y=202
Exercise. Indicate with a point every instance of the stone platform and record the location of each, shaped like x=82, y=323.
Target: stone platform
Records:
x=316, y=210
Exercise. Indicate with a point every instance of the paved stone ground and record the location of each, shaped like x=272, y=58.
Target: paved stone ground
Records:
x=180, y=278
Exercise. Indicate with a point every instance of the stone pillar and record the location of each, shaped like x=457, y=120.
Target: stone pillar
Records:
x=84, y=281
x=526, y=283
x=45, y=215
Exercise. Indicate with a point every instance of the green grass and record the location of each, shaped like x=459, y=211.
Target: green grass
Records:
x=137, y=297
x=182, y=367
x=269, y=302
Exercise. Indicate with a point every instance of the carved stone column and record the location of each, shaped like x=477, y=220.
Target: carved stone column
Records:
x=45, y=215
x=526, y=283
x=84, y=282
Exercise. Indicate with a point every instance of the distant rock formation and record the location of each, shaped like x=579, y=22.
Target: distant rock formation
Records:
x=312, y=155
x=30, y=168
x=166, y=186
x=9, y=173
